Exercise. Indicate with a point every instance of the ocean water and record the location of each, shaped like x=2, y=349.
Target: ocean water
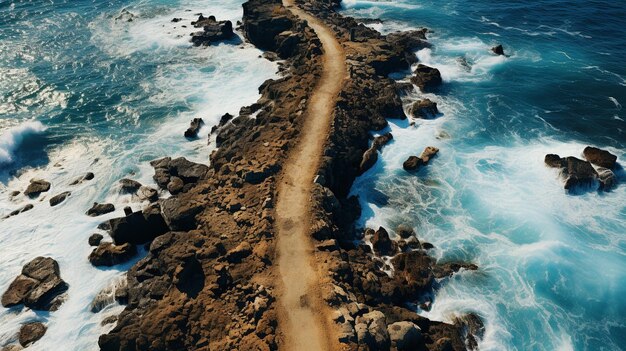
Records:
x=85, y=90
x=552, y=265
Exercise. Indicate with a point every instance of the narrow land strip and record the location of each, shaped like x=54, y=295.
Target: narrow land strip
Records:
x=301, y=318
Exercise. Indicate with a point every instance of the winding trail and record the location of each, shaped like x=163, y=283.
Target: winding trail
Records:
x=302, y=313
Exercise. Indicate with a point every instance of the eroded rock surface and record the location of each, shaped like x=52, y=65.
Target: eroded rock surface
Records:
x=39, y=287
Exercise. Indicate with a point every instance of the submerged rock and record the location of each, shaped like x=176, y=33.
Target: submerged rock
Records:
x=129, y=186
x=31, y=332
x=24, y=208
x=498, y=50
x=36, y=187
x=39, y=286
x=57, y=199
x=426, y=78
x=87, y=176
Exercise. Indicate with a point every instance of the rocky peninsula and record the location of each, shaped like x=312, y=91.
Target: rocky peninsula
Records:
x=258, y=249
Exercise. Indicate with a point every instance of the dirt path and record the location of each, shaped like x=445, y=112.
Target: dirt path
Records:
x=302, y=311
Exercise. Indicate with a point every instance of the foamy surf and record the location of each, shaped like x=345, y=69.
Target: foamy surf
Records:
x=12, y=138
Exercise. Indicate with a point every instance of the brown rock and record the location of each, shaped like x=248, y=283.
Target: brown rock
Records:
x=107, y=254
x=100, y=209
x=38, y=287
x=426, y=78
x=57, y=199
x=36, y=187
x=31, y=332
x=600, y=157
x=424, y=109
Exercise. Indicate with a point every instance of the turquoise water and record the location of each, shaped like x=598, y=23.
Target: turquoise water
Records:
x=81, y=90
x=552, y=273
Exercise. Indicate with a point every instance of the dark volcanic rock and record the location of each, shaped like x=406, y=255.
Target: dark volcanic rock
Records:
x=31, y=332
x=426, y=78
x=423, y=109
x=129, y=186
x=579, y=172
x=108, y=254
x=370, y=156
x=607, y=178
x=36, y=187
x=498, y=50
x=147, y=193
x=213, y=31
x=95, y=239
x=100, y=209
x=555, y=161
x=194, y=127
x=166, y=168
x=57, y=199
x=39, y=286
x=600, y=157
x=382, y=244
x=138, y=227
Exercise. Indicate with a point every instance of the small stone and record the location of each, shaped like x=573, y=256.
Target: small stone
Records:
x=95, y=239
x=57, y=199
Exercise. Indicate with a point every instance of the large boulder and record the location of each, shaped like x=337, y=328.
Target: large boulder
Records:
x=404, y=336
x=213, y=31
x=415, y=162
x=579, y=173
x=108, y=254
x=31, y=332
x=599, y=157
x=166, y=168
x=370, y=156
x=426, y=78
x=36, y=187
x=413, y=275
x=424, y=108
x=39, y=286
x=371, y=330
x=138, y=227
x=129, y=186
x=382, y=244
x=180, y=214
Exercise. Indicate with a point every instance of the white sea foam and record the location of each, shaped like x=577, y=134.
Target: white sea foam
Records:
x=12, y=138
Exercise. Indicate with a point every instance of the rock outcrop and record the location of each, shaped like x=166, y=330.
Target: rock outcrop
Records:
x=426, y=78
x=39, y=287
x=599, y=157
x=213, y=31
x=415, y=162
x=57, y=199
x=424, y=108
x=194, y=128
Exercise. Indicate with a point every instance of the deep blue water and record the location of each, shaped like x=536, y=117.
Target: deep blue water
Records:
x=552, y=273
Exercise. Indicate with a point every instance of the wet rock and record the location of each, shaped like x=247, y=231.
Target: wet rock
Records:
x=213, y=31
x=95, y=239
x=424, y=108
x=607, y=178
x=106, y=296
x=138, y=227
x=100, y=209
x=194, y=127
x=129, y=186
x=86, y=177
x=404, y=336
x=175, y=185
x=57, y=199
x=412, y=163
x=125, y=16
x=554, y=161
x=382, y=244
x=474, y=328
x=415, y=162
x=426, y=78
x=36, y=187
x=22, y=209
x=176, y=19
x=370, y=156
x=498, y=50
x=371, y=330
x=413, y=275
x=147, y=193
x=599, y=157
x=579, y=173
x=39, y=286
x=31, y=332
x=405, y=232
x=108, y=254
